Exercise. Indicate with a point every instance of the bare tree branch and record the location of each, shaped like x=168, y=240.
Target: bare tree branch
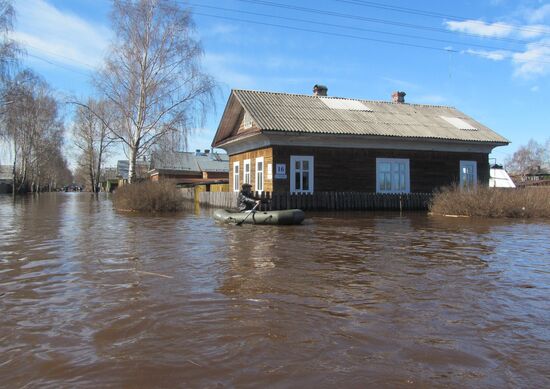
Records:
x=152, y=74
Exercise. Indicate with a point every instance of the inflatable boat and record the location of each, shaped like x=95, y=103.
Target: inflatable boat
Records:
x=284, y=217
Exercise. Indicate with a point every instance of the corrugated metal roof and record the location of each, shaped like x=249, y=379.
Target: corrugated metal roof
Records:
x=191, y=162
x=311, y=114
x=213, y=162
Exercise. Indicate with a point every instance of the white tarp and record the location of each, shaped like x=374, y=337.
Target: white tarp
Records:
x=500, y=179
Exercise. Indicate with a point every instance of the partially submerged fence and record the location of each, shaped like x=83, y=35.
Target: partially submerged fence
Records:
x=321, y=200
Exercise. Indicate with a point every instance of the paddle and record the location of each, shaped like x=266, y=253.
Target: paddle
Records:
x=249, y=213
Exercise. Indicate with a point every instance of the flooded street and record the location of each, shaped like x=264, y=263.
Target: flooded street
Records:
x=94, y=298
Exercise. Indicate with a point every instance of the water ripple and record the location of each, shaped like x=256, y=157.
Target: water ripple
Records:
x=90, y=297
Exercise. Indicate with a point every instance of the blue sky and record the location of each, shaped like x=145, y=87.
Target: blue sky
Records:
x=488, y=58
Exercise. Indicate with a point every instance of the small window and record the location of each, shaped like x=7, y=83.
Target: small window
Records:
x=345, y=104
x=392, y=175
x=247, y=122
x=236, y=176
x=459, y=123
x=246, y=171
x=468, y=174
x=260, y=174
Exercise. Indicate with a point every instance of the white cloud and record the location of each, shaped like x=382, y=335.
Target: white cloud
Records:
x=223, y=29
x=495, y=55
x=533, y=31
x=46, y=31
x=535, y=88
x=223, y=65
x=534, y=61
x=482, y=28
x=538, y=14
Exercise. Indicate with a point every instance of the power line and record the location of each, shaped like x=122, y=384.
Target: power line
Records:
x=59, y=65
x=415, y=11
x=375, y=20
x=347, y=35
x=326, y=32
x=91, y=67
x=353, y=28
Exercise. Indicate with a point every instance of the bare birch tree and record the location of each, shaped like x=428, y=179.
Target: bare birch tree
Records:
x=530, y=158
x=152, y=74
x=92, y=137
x=8, y=48
x=34, y=129
x=8, y=60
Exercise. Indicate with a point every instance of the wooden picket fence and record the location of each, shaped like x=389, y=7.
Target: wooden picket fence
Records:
x=322, y=201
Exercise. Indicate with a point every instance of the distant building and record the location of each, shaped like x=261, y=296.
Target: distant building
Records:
x=282, y=142
x=109, y=179
x=123, y=168
x=538, y=176
x=190, y=167
x=6, y=178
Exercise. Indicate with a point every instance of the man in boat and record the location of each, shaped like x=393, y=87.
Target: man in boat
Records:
x=246, y=200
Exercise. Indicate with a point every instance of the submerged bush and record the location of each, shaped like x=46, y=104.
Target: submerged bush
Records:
x=492, y=202
x=148, y=196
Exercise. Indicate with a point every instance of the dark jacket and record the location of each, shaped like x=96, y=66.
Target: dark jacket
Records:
x=246, y=200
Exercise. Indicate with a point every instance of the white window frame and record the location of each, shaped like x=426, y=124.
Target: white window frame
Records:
x=236, y=175
x=464, y=164
x=259, y=175
x=310, y=159
x=247, y=176
x=406, y=161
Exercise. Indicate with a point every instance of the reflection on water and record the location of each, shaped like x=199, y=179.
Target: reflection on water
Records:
x=90, y=297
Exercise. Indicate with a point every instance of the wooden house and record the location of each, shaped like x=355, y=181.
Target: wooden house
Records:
x=281, y=142
x=190, y=168
x=6, y=178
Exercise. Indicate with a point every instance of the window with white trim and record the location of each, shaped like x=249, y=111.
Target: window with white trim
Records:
x=260, y=174
x=301, y=174
x=392, y=175
x=246, y=171
x=468, y=174
x=235, y=176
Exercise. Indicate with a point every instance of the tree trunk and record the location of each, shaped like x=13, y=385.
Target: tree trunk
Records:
x=98, y=172
x=14, y=172
x=132, y=164
x=23, y=182
x=92, y=178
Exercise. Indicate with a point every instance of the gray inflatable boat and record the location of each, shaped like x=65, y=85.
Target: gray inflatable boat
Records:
x=284, y=217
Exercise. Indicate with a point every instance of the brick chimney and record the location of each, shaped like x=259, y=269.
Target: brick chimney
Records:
x=398, y=97
x=320, y=90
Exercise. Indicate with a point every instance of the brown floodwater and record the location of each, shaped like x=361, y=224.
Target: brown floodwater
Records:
x=94, y=298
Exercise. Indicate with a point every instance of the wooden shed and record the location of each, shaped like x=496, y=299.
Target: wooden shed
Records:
x=281, y=142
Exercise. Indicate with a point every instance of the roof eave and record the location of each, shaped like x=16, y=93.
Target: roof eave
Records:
x=237, y=138
x=496, y=143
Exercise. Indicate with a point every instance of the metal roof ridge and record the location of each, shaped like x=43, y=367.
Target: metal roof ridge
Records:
x=343, y=98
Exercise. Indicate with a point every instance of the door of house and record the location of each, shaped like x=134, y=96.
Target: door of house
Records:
x=468, y=174
x=301, y=174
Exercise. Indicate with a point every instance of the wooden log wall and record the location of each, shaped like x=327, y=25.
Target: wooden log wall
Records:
x=332, y=201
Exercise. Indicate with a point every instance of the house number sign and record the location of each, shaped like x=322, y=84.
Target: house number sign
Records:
x=280, y=171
